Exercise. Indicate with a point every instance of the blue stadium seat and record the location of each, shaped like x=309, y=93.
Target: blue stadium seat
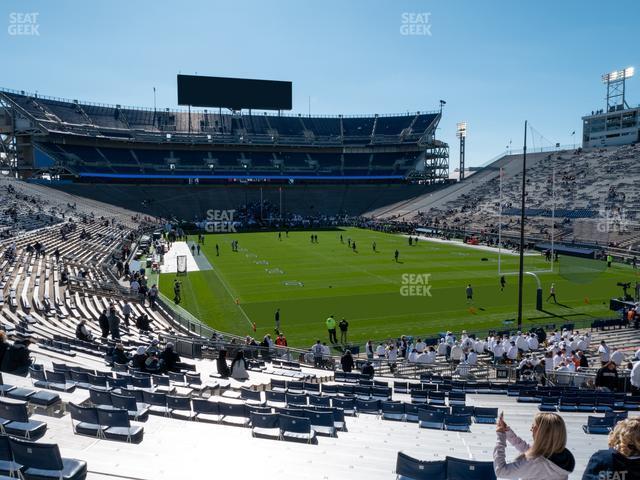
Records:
x=87, y=418
x=43, y=461
x=457, y=423
x=485, y=415
x=599, y=425
x=118, y=426
x=137, y=411
x=179, y=407
x=265, y=424
x=409, y=468
x=14, y=420
x=8, y=467
x=461, y=469
x=296, y=429
x=205, y=410
x=433, y=420
x=322, y=421
x=234, y=413
x=393, y=410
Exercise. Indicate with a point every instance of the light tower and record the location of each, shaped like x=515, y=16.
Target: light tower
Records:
x=461, y=133
x=615, y=82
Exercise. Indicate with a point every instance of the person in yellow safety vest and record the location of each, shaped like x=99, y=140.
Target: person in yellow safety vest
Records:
x=609, y=260
x=331, y=327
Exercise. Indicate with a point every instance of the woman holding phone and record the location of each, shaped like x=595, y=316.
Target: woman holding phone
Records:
x=546, y=458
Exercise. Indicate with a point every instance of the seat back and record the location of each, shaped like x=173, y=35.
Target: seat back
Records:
x=113, y=418
x=124, y=401
x=37, y=374
x=430, y=417
x=272, y=396
x=410, y=468
x=178, y=403
x=600, y=421
x=14, y=411
x=461, y=469
x=45, y=456
x=97, y=380
x=320, y=417
x=265, y=420
x=344, y=403
x=176, y=377
x=233, y=409
x=5, y=449
x=296, y=399
x=83, y=414
x=156, y=399
x=393, y=407
x=201, y=405
x=248, y=394
x=368, y=405
x=99, y=397
x=289, y=423
x=194, y=378
x=319, y=401
x=141, y=382
x=161, y=380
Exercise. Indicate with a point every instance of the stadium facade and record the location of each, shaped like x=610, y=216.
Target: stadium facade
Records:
x=85, y=146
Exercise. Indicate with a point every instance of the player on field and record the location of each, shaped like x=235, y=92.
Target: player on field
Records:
x=503, y=283
x=552, y=293
x=469, y=292
x=374, y=246
x=396, y=255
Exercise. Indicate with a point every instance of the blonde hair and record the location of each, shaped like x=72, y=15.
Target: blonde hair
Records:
x=3, y=336
x=625, y=437
x=550, y=437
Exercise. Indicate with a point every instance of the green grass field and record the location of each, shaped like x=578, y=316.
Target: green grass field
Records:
x=365, y=287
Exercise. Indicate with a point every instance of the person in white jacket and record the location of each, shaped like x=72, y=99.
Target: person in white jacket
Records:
x=548, y=457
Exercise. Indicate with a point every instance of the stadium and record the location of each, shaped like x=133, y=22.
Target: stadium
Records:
x=326, y=294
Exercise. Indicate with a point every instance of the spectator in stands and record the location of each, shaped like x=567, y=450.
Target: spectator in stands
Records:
x=623, y=454
x=142, y=294
x=582, y=359
x=369, y=349
x=16, y=359
x=153, y=295
x=126, y=313
x=152, y=363
x=4, y=345
x=239, y=367
x=138, y=359
x=103, y=322
x=114, y=323
x=169, y=359
x=347, y=361
x=547, y=458
x=143, y=324
x=617, y=357
x=134, y=286
x=368, y=370
x=82, y=332
x=604, y=352
x=221, y=364
x=119, y=355
x=607, y=377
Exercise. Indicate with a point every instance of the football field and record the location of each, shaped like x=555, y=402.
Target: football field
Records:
x=423, y=293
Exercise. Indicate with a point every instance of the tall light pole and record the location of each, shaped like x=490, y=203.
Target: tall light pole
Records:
x=461, y=133
x=615, y=82
x=522, y=216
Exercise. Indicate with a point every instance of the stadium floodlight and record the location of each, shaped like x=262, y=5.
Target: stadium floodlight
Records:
x=618, y=75
x=461, y=129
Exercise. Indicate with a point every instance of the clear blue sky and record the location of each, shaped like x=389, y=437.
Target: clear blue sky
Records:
x=496, y=63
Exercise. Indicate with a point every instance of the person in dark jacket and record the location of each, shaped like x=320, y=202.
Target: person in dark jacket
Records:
x=4, y=345
x=607, y=377
x=119, y=355
x=221, y=363
x=103, y=322
x=137, y=361
x=368, y=369
x=143, y=324
x=16, y=358
x=169, y=359
x=114, y=324
x=347, y=361
x=623, y=454
x=82, y=333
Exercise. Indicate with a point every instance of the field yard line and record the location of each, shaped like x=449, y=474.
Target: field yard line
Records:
x=386, y=280
x=231, y=294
